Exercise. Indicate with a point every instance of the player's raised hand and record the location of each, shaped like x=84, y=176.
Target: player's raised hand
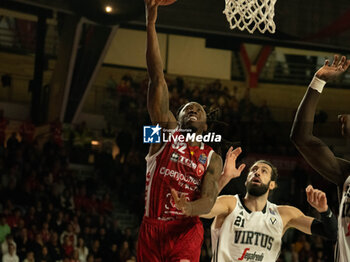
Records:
x=330, y=72
x=317, y=199
x=230, y=170
x=151, y=10
x=181, y=203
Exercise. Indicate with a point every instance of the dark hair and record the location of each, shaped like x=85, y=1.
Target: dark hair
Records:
x=274, y=173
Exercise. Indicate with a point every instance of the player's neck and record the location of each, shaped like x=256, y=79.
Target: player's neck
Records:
x=254, y=203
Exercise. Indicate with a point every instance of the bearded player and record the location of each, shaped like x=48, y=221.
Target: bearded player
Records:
x=190, y=167
x=250, y=228
x=318, y=154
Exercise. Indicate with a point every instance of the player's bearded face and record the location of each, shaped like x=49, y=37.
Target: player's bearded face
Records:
x=257, y=189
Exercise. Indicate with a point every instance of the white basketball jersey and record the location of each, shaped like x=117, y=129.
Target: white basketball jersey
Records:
x=248, y=236
x=343, y=245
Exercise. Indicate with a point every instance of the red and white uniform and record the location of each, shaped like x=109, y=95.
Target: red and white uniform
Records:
x=182, y=167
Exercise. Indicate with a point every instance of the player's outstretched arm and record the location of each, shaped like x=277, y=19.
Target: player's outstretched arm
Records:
x=222, y=207
x=158, y=97
x=316, y=153
x=230, y=170
x=326, y=227
x=209, y=191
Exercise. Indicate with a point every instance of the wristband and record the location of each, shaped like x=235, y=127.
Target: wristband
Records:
x=317, y=84
x=326, y=214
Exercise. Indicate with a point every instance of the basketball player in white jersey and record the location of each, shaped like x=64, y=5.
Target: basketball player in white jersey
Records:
x=318, y=154
x=250, y=228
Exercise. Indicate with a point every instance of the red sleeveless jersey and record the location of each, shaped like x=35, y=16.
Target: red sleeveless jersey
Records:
x=176, y=165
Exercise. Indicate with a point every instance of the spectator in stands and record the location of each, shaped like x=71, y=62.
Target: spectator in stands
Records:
x=59, y=224
x=67, y=202
x=124, y=251
x=30, y=218
x=320, y=256
x=5, y=245
x=129, y=237
x=83, y=251
x=44, y=255
x=23, y=244
x=29, y=257
x=106, y=205
x=68, y=247
x=112, y=254
x=87, y=236
x=13, y=220
x=102, y=222
x=75, y=224
x=96, y=251
x=38, y=245
x=45, y=232
x=75, y=257
x=125, y=86
x=54, y=247
x=11, y=255
x=90, y=258
x=102, y=237
x=92, y=204
x=80, y=199
x=69, y=232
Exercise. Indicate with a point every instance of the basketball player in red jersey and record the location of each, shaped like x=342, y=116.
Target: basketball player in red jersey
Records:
x=189, y=167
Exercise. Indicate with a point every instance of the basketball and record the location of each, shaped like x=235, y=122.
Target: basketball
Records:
x=167, y=2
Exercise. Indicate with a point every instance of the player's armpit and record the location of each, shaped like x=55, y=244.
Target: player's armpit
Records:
x=209, y=190
x=222, y=207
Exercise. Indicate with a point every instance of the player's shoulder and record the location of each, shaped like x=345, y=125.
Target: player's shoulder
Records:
x=228, y=200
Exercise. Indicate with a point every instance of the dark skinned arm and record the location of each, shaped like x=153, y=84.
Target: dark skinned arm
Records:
x=158, y=95
x=315, y=151
x=209, y=191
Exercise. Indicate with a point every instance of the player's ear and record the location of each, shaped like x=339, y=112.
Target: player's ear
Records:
x=272, y=185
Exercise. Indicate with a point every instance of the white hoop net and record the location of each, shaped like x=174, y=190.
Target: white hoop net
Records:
x=251, y=15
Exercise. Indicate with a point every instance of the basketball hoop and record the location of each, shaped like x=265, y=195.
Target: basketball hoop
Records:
x=251, y=15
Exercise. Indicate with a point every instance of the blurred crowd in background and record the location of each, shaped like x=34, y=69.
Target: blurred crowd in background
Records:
x=51, y=212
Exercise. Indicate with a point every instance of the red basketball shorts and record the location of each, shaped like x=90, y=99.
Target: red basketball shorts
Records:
x=170, y=241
